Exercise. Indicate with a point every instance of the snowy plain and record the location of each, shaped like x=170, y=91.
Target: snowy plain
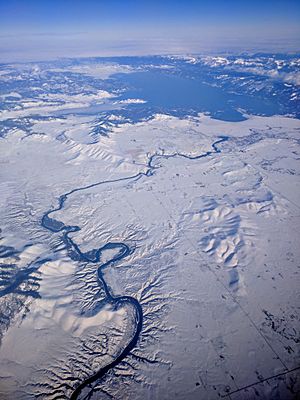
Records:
x=208, y=208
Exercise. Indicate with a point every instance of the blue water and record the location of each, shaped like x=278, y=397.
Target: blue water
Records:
x=179, y=95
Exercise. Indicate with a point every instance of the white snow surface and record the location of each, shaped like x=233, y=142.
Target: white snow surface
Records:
x=215, y=263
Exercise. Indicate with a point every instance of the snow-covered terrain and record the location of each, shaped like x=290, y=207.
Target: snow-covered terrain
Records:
x=149, y=244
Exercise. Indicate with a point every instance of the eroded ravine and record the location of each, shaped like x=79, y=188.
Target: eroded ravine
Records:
x=94, y=256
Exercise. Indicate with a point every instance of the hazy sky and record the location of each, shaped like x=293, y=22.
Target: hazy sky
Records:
x=45, y=29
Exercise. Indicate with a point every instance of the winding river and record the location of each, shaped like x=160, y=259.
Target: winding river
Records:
x=94, y=256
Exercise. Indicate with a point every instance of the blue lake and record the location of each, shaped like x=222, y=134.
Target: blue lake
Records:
x=180, y=95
